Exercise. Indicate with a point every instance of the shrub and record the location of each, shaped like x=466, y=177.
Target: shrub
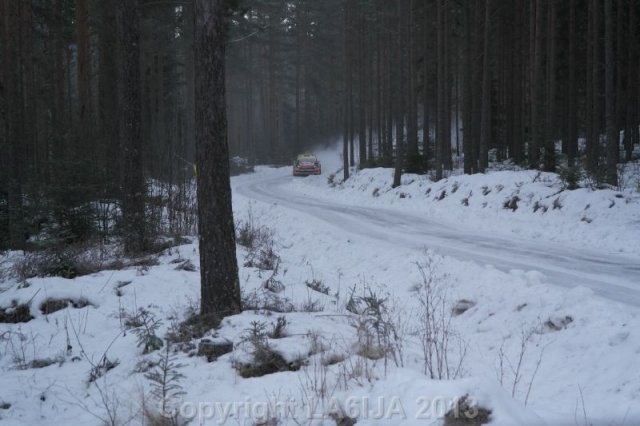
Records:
x=146, y=332
x=511, y=203
x=50, y=306
x=466, y=413
x=317, y=285
x=16, y=313
x=165, y=384
x=272, y=284
x=436, y=332
x=266, y=301
x=250, y=234
x=266, y=360
x=278, y=328
x=98, y=370
x=182, y=333
x=570, y=176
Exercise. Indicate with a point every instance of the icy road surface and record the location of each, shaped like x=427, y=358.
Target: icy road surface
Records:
x=613, y=276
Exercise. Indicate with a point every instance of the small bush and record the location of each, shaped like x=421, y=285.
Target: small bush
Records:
x=266, y=260
x=213, y=350
x=250, y=234
x=16, y=313
x=182, y=333
x=379, y=330
x=278, y=328
x=266, y=301
x=462, y=306
x=435, y=329
x=44, y=362
x=165, y=384
x=539, y=206
x=511, y=203
x=466, y=413
x=265, y=359
x=272, y=284
x=146, y=332
x=317, y=285
x=557, y=324
x=50, y=306
x=105, y=365
x=557, y=204
x=311, y=306
x=570, y=177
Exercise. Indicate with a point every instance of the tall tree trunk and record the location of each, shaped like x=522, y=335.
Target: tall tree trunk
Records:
x=537, y=96
x=467, y=109
x=612, y=133
x=632, y=95
x=593, y=145
x=85, y=110
x=362, y=125
x=15, y=121
x=132, y=180
x=441, y=104
x=485, y=133
x=297, y=142
x=572, y=134
x=108, y=92
x=218, y=264
x=345, y=115
x=400, y=80
x=413, y=155
x=549, y=149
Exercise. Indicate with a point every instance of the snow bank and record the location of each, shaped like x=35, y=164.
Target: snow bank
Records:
x=529, y=204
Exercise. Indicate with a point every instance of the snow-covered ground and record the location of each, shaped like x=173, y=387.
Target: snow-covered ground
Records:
x=537, y=350
x=608, y=220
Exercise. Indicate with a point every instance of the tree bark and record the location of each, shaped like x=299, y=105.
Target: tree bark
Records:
x=485, y=133
x=537, y=95
x=218, y=264
x=108, y=92
x=549, y=148
x=610, y=102
x=345, y=116
x=132, y=178
x=85, y=109
x=572, y=134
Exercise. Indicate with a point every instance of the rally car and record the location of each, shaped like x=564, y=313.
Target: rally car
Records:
x=306, y=164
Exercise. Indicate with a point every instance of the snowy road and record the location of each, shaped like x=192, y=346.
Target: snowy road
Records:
x=616, y=277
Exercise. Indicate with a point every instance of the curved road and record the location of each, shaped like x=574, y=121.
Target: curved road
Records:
x=616, y=277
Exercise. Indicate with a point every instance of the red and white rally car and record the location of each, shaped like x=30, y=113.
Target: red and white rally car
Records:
x=306, y=164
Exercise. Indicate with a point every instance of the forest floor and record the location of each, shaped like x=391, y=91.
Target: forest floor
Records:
x=538, y=311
